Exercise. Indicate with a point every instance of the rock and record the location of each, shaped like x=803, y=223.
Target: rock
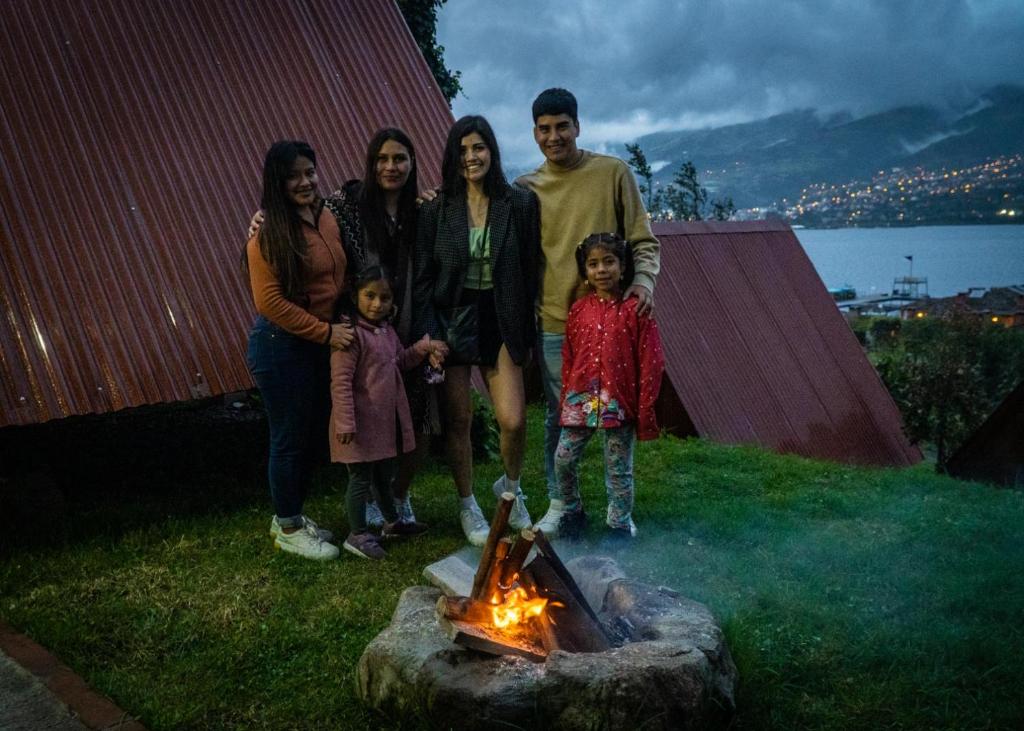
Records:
x=679, y=675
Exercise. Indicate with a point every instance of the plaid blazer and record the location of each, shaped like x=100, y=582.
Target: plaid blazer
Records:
x=442, y=257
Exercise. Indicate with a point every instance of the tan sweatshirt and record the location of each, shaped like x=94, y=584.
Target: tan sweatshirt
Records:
x=596, y=195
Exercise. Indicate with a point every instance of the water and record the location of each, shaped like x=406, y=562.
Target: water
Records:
x=953, y=258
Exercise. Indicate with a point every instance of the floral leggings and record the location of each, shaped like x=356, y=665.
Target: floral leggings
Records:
x=618, y=469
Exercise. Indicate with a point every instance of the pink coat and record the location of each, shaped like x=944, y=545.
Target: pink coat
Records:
x=368, y=397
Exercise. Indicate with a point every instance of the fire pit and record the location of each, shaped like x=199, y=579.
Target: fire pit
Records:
x=541, y=644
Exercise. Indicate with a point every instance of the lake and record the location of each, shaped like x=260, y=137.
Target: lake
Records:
x=953, y=258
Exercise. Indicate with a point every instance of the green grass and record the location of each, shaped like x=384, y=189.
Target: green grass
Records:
x=851, y=598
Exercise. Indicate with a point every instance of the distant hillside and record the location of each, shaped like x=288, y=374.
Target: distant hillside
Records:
x=760, y=162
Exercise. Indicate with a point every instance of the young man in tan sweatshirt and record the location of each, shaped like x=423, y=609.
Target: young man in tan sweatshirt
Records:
x=581, y=193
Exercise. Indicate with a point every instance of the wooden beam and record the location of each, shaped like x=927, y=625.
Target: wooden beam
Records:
x=545, y=549
x=512, y=565
x=499, y=524
x=575, y=628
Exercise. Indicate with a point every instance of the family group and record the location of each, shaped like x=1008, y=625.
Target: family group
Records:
x=376, y=301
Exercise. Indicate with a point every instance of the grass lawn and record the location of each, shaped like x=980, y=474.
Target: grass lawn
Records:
x=851, y=598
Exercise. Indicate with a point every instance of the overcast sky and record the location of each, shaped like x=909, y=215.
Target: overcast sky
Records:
x=640, y=66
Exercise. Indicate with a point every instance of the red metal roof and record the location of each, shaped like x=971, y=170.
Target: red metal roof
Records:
x=757, y=351
x=995, y=451
x=132, y=135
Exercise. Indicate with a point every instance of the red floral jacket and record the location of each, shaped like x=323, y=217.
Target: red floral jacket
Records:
x=611, y=366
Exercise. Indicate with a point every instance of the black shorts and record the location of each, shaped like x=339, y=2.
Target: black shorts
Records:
x=488, y=334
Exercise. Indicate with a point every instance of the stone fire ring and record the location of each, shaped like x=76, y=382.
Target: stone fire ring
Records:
x=677, y=674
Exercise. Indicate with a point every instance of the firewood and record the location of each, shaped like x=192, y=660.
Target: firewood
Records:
x=491, y=592
x=574, y=627
x=542, y=622
x=499, y=524
x=465, y=609
x=493, y=641
x=545, y=549
x=511, y=566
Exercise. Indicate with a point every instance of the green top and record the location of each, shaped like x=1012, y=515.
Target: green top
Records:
x=478, y=274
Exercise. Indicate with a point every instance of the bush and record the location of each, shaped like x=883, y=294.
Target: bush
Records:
x=948, y=374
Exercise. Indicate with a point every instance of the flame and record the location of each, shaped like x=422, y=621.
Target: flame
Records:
x=517, y=608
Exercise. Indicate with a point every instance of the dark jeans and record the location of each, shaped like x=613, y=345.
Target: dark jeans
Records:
x=367, y=479
x=293, y=376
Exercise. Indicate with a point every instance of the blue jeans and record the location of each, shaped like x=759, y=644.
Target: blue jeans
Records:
x=549, y=345
x=293, y=376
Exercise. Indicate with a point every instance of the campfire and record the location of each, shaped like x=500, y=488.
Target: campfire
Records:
x=521, y=605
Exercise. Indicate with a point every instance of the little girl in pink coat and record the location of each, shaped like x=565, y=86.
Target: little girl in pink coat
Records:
x=370, y=420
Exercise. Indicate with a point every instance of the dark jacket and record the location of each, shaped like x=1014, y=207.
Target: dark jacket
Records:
x=442, y=258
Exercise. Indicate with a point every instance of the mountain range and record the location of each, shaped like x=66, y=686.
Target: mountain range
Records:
x=759, y=163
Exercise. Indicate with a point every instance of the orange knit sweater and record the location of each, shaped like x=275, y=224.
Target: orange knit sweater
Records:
x=310, y=317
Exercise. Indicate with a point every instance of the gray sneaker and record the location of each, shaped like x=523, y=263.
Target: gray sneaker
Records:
x=306, y=543
x=474, y=525
x=374, y=518
x=519, y=518
x=324, y=534
x=364, y=545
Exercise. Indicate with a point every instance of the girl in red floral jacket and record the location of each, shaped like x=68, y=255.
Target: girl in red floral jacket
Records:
x=611, y=373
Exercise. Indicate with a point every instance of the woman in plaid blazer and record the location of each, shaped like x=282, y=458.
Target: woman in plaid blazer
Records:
x=478, y=243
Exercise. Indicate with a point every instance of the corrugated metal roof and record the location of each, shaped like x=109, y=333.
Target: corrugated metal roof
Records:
x=132, y=135
x=757, y=351
x=995, y=451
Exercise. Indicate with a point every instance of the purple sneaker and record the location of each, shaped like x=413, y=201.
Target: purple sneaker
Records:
x=364, y=545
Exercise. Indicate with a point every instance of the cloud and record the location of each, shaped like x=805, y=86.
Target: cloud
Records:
x=653, y=65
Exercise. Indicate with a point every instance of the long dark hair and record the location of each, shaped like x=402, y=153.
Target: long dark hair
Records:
x=280, y=237
x=372, y=209
x=610, y=242
x=453, y=181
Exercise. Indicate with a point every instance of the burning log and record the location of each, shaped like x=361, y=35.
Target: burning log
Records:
x=545, y=549
x=574, y=626
x=548, y=636
x=482, y=584
x=495, y=629
x=513, y=563
x=464, y=609
x=496, y=642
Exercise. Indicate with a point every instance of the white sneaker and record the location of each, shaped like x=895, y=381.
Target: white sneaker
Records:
x=374, y=518
x=404, y=510
x=322, y=533
x=561, y=522
x=631, y=529
x=474, y=525
x=519, y=518
x=306, y=543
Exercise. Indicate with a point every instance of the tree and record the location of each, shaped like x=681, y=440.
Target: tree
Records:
x=421, y=17
x=638, y=161
x=947, y=374
x=686, y=197
x=723, y=209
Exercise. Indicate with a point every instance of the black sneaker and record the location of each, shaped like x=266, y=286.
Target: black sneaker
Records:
x=402, y=528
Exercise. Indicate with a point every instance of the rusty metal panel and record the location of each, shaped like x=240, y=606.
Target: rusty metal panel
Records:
x=132, y=135
x=757, y=351
x=995, y=451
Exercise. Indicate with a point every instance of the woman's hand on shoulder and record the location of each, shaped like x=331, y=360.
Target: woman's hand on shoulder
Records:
x=342, y=335
x=255, y=223
x=426, y=196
